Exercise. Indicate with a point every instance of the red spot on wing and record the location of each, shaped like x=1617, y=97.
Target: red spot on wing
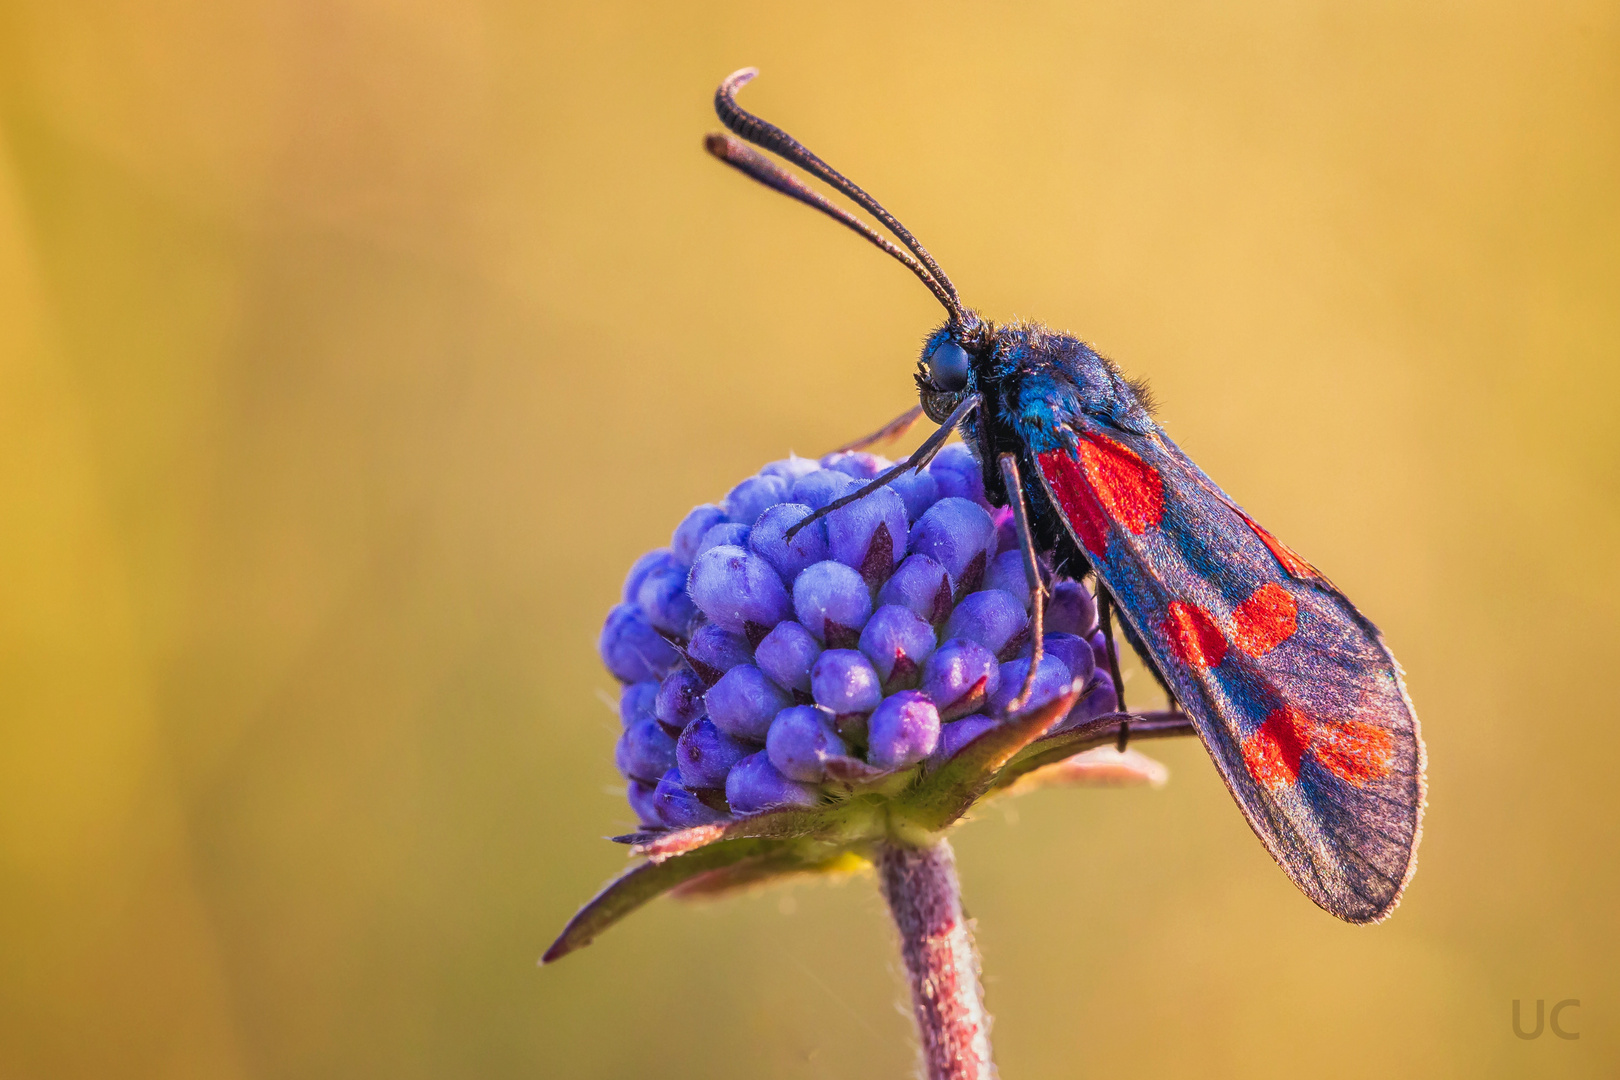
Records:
x=1193, y=636
x=1131, y=490
x=1078, y=501
x=1354, y=751
x=1265, y=620
x=1291, y=562
x=1274, y=751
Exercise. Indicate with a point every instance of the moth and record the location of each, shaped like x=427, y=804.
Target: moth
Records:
x=1298, y=700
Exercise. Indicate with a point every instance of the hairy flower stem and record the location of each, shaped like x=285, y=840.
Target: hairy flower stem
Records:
x=942, y=964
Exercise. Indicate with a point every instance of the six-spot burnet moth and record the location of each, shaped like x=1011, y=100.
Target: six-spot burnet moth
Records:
x=1293, y=691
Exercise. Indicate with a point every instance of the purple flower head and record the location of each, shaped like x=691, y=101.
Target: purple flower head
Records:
x=832, y=602
x=958, y=535
x=869, y=534
x=855, y=676
x=899, y=642
x=738, y=591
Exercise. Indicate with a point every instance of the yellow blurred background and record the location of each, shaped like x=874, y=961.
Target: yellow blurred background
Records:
x=349, y=353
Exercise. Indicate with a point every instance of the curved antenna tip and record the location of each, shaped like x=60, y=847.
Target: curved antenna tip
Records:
x=740, y=77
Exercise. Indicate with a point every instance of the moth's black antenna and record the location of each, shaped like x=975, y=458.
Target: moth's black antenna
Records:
x=750, y=127
x=758, y=167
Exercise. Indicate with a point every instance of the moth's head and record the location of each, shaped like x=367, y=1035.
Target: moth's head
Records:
x=949, y=369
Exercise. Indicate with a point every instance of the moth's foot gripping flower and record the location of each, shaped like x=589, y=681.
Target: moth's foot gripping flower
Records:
x=789, y=703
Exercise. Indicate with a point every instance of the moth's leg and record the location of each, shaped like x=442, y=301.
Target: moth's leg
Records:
x=892, y=430
x=1105, y=620
x=922, y=456
x=1032, y=574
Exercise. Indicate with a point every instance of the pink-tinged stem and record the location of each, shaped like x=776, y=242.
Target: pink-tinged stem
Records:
x=942, y=964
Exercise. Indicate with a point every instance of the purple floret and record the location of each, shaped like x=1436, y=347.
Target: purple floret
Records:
x=918, y=490
x=869, y=534
x=645, y=751
x=832, y=602
x=727, y=533
x=632, y=650
x=821, y=487
x=679, y=808
x=680, y=699
x=1052, y=681
x=1007, y=574
x=855, y=463
x=903, y=729
x=713, y=652
x=642, y=803
x=689, y=533
x=1006, y=530
x=1099, y=650
x=993, y=619
x=791, y=468
x=801, y=740
x=744, y=702
x=922, y=585
x=960, y=677
x=899, y=642
x=755, y=785
x=958, y=535
x=656, y=559
x=739, y=591
x=958, y=474
x=786, y=655
x=745, y=502
x=843, y=681
x=790, y=557
x=704, y=754
x=1075, y=652
x=662, y=598
x=1100, y=699
x=955, y=735
x=638, y=701
x=1071, y=610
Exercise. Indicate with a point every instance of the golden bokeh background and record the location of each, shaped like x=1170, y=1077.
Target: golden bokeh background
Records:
x=349, y=353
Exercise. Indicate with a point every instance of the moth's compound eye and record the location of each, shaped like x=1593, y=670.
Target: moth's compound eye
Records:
x=948, y=367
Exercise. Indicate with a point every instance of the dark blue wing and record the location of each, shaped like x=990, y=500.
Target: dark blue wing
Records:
x=1296, y=696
